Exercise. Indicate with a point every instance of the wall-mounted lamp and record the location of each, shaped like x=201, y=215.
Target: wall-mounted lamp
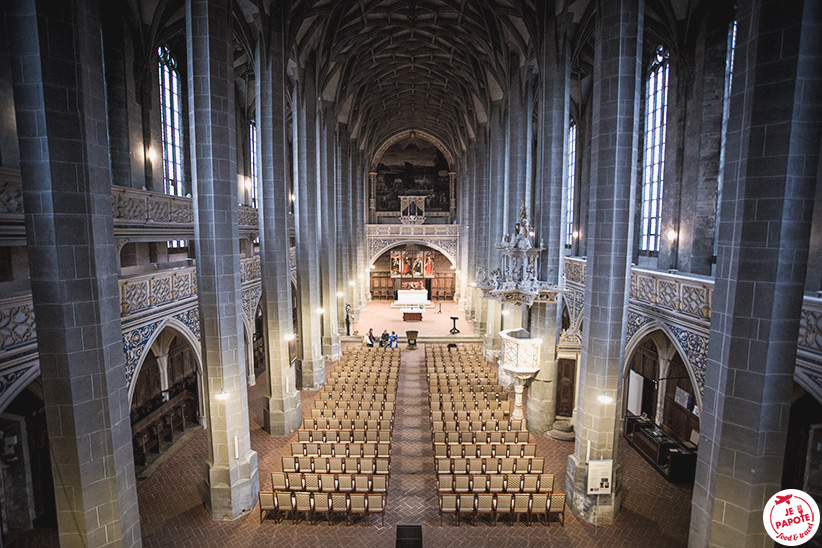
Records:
x=289, y=337
x=351, y=283
x=372, y=267
x=320, y=310
x=151, y=154
x=506, y=312
x=575, y=234
x=292, y=196
x=340, y=294
x=671, y=235
x=605, y=399
x=222, y=396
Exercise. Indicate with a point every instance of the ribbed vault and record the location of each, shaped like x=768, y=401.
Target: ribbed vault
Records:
x=396, y=65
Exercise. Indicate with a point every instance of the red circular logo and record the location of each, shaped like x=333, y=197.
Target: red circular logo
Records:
x=791, y=517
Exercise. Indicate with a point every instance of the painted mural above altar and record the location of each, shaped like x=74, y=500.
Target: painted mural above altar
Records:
x=413, y=166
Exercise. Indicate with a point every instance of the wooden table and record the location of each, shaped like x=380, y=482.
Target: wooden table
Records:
x=412, y=316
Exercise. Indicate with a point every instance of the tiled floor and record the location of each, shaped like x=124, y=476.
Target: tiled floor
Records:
x=655, y=513
x=379, y=315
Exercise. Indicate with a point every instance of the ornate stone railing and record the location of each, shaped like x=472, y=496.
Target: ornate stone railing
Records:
x=444, y=238
x=131, y=206
x=810, y=325
x=250, y=269
x=17, y=325
x=149, y=290
x=688, y=295
x=11, y=192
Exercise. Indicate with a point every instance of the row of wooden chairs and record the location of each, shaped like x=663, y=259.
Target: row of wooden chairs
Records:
x=510, y=505
x=485, y=414
x=484, y=450
x=342, y=413
x=345, y=424
x=447, y=432
x=374, y=435
x=336, y=465
x=367, y=405
x=348, y=396
x=477, y=425
x=495, y=483
x=507, y=465
x=315, y=505
x=360, y=388
x=329, y=483
x=352, y=449
x=457, y=395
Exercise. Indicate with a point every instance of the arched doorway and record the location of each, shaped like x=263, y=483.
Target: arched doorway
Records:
x=27, y=498
x=165, y=399
x=661, y=407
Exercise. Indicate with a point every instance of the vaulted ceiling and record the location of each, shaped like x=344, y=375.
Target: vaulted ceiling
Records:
x=394, y=65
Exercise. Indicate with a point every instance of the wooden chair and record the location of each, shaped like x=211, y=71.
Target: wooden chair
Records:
x=448, y=505
x=267, y=504
x=539, y=507
x=503, y=506
x=279, y=482
x=530, y=483
x=328, y=483
x=322, y=505
x=375, y=505
x=546, y=483
x=445, y=483
x=295, y=481
x=339, y=505
x=284, y=503
x=462, y=484
x=362, y=483
x=537, y=465
x=557, y=507
x=484, y=505
x=289, y=464
x=522, y=505
x=466, y=505
x=345, y=483
x=379, y=484
x=356, y=505
x=302, y=503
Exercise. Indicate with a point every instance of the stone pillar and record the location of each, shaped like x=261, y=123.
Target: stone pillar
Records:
x=772, y=161
x=328, y=234
x=364, y=254
x=59, y=99
x=307, y=208
x=516, y=153
x=282, y=413
x=497, y=146
x=617, y=71
x=372, y=197
x=344, y=206
x=232, y=465
x=550, y=195
x=355, y=230
x=162, y=369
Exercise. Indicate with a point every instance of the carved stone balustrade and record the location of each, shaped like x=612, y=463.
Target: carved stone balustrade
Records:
x=683, y=293
x=17, y=325
x=443, y=238
x=150, y=290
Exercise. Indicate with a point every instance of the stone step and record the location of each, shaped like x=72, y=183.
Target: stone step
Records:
x=564, y=425
x=560, y=435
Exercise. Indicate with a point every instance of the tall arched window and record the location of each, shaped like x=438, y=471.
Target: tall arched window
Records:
x=656, y=101
x=252, y=140
x=172, y=124
x=569, y=200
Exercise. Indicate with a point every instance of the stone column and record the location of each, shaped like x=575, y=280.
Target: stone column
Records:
x=771, y=165
x=328, y=234
x=281, y=414
x=232, y=465
x=59, y=100
x=497, y=146
x=550, y=192
x=307, y=208
x=344, y=242
x=617, y=71
x=355, y=231
x=365, y=287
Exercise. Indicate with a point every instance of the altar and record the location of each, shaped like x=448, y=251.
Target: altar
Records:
x=407, y=297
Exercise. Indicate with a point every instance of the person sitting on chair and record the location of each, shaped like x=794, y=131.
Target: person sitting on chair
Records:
x=370, y=337
x=384, y=339
x=393, y=340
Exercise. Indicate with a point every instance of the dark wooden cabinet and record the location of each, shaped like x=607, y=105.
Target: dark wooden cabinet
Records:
x=675, y=461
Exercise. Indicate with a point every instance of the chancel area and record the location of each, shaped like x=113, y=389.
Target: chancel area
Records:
x=408, y=272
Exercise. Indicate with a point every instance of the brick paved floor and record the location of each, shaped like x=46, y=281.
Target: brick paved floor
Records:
x=655, y=513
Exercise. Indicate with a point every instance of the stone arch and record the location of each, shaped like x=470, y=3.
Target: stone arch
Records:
x=23, y=377
x=433, y=245
x=656, y=326
x=179, y=329
x=449, y=157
